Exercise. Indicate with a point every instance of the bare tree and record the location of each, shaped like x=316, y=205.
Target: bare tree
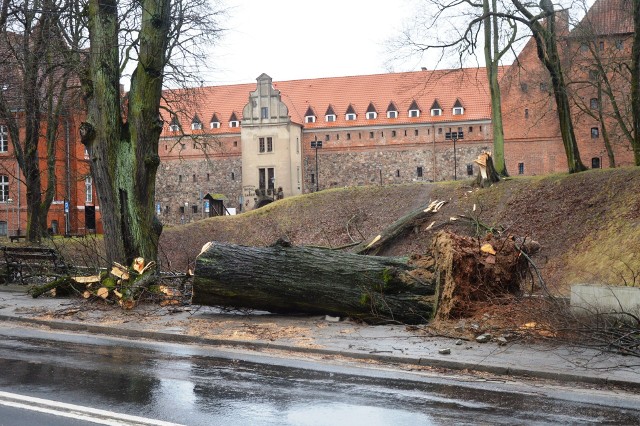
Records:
x=161, y=37
x=37, y=90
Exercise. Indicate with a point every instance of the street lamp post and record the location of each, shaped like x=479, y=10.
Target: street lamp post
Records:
x=454, y=136
x=317, y=144
x=8, y=201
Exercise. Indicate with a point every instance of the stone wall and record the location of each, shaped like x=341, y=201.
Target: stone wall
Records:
x=183, y=181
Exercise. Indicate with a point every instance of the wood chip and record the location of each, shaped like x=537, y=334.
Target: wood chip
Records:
x=103, y=292
x=488, y=248
x=87, y=280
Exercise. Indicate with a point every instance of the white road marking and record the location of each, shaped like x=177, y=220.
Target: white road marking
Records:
x=76, y=411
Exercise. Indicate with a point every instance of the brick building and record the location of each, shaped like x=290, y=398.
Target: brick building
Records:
x=226, y=145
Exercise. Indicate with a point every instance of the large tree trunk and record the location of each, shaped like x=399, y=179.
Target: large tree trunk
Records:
x=635, y=82
x=125, y=155
x=284, y=279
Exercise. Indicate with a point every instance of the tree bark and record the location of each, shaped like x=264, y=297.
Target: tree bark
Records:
x=635, y=82
x=282, y=279
x=125, y=155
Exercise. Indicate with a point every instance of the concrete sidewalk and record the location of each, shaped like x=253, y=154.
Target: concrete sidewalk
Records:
x=304, y=335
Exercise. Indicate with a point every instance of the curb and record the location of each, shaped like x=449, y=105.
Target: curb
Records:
x=430, y=362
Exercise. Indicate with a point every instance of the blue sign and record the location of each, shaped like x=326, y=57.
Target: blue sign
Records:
x=66, y=206
x=206, y=206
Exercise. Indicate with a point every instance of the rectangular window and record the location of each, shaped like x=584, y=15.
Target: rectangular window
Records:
x=330, y=118
x=350, y=117
x=370, y=135
x=313, y=178
x=419, y=171
x=261, y=145
x=436, y=112
x=208, y=177
x=194, y=209
x=595, y=133
x=348, y=136
x=310, y=119
x=595, y=163
x=393, y=133
x=262, y=179
x=397, y=173
x=179, y=178
x=326, y=137
x=4, y=139
x=371, y=115
x=458, y=111
x=619, y=44
x=601, y=46
x=233, y=176
x=88, y=186
x=266, y=178
x=439, y=130
x=194, y=178
x=338, y=136
x=4, y=188
x=264, y=112
x=526, y=113
x=269, y=144
x=415, y=132
x=182, y=210
x=469, y=169
x=520, y=168
x=416, y=113
x=392, y=114
x=234, y=123
x=470, y=129
x=593, y=103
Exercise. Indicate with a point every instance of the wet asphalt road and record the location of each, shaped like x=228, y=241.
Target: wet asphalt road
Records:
x=203, y=386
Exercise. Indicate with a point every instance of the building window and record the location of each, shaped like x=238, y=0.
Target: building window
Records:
x=370, y=135
x=182, y=210
x=234, y=123
x=584, y=47
x=397, y=173
x=372, y=115
x=174, y=127
x=458, y=111
x=208, y=177
x=601, y=46
x=194, y=209
x=524, y=87
x=4, y=139
x=264, y=112
x=419, y=171
x=469, y=169
x=337, y=136
x=214, y=124
x=413, y=113
x=326, y=137
x=235, y=144
x=88, y=190
x=350, y=117
x=348, y=136
x=593, y=103
x=4, y=188
x=392, y=114
x=593, y=75
x=269, y=144
x=526, y=113
x=595, y=133
x=520, y=168
x=266, y=177
x=179, y=178
x=595, y=163
x=439, y=130
x=393, y=133
x=261, y=145
x=415, y=132
x=310, y=119
x=194, y=178
x=196, y=125
x=470, y=129
x=619, y=44
x=313, y=178
x=233, y=176
x=330, y=117
x=544, y=87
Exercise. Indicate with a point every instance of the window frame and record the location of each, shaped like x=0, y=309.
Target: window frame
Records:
x=330, y=118
x=4, y=188
x=234, y=123
x=88, y=190
x=214, y=125
x=196, y=125
x=350, y=117
x=4, y=138
x=392, y=114
x=414, y=113
x=458, y=111
x=372, y=115
x=310, y=119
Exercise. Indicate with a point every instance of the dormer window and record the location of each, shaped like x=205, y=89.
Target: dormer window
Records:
x=196, y=124
x=436, y=109
x=233, y=121
x=215, y=122
x=174, y=126
x=371, y=112
x=310, y=116
x=330, y=115
x=414, y=110
x=350, y=115
x=458, y=109
x=392, y=111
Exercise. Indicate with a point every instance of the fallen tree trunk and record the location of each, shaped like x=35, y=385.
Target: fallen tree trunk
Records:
x=283, y=279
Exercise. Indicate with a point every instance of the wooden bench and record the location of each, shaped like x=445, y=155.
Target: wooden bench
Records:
x=23, y=262
x=14, y=238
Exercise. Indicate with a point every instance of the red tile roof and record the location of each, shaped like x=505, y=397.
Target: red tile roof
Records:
x=607, y=17
x=424, y=87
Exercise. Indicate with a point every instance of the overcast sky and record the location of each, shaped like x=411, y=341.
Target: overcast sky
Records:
x=298, y=39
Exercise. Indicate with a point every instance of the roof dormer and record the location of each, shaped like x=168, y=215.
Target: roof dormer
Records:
x=436, y=109
x=414, y=110
x=392, y=110
x=233, y=120
x=350, y=115
x=196, y=124
x=458, y=109
x=371, y=112
x=215, y=122
x=330, y=115
x=310, y=116
x=174, y=125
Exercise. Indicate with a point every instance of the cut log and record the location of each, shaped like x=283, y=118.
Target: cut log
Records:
x=282, y=279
